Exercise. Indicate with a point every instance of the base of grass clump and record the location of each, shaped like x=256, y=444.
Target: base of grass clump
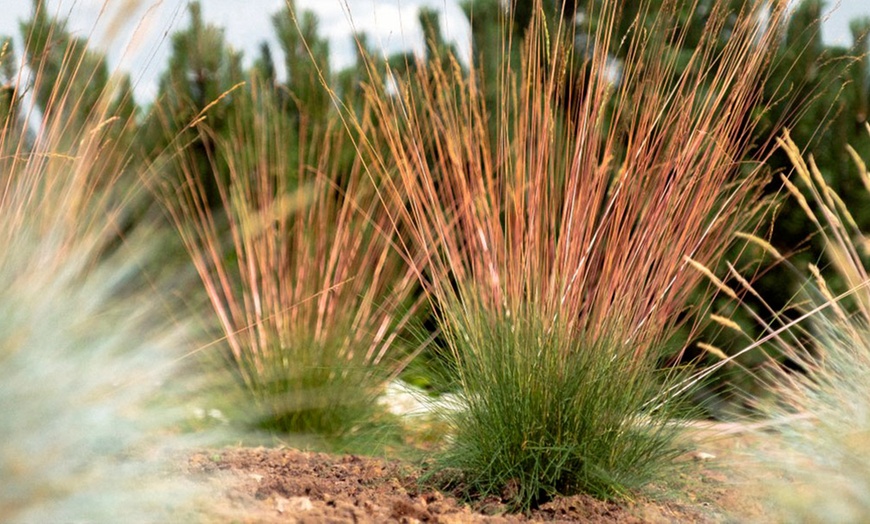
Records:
x=328, y=409
x=380, y=435
x=323, y=399
x=548, y=412
x=318, y=398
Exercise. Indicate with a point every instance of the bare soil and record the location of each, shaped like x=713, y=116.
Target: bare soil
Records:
x=269, y=485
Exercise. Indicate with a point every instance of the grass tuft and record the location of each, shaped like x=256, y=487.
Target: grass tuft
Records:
x=298, y=261
x=535, y=423
x=562, y=219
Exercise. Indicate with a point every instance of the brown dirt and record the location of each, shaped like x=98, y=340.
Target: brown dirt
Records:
x=286, y=485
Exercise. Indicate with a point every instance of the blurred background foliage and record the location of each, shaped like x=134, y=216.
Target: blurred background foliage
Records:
x=821, y=92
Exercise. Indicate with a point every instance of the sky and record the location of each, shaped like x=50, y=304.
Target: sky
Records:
x=134, y=32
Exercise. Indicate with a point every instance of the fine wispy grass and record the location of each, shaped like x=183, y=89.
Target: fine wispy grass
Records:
x=298, y=262
x=86, y=340
x=546, y=412
x=822, y=413
x=563, y=228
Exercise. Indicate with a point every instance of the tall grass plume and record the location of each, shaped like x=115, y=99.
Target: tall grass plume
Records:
x=299, y=264
x=562, y=226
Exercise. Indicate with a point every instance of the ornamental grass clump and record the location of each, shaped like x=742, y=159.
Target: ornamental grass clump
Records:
x=821, y=413
x=560, y=228
x=88, y=341
x=548, y=413
x=298, y=261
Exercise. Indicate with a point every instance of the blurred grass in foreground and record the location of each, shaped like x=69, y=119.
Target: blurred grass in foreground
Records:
x=89, y=340
x=821, y=442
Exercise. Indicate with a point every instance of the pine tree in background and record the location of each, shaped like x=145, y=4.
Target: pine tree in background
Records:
x=264, y=66
x=436, y=46
x=860, y=88
x=306, y=58
x=198, y=82
x=11, y=121
x=68, y=72
x=827, y=95
x=821, y=93
x=486, y=20
x=349, y=81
